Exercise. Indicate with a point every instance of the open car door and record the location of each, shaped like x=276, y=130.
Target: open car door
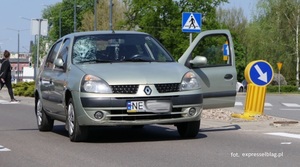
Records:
x=211, y=56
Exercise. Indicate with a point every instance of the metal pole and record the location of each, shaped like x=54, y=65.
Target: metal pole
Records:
x=60, y=23
x=191, y=38
x=279, y=81
x=95, y=14
x=34, y=65
x=110, y=14
x=38, y=44
x=75, y=15
x=18, y=56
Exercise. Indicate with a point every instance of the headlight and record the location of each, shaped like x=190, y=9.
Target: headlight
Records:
x=94, y=84
x=190, y=81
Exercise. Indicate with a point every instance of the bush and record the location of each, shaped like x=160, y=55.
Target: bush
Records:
x=24, y=89
x=283, y=88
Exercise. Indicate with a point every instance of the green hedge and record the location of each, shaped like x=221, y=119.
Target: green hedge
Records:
x=283, y=88
x=24, y=89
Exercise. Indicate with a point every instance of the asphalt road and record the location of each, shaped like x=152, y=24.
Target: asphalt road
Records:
x=217, y=144
x=279, y=105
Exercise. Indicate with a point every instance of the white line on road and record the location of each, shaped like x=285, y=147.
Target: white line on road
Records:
x=4, y=149
x=291, y=109
x=268, y=105
x=241, y=104
x=290, y=135
x=238, y=104
x=286, y=143
x=291, y=104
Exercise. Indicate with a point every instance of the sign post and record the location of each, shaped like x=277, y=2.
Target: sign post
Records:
x=191, y=22
x=279, y=66
x=258, y=74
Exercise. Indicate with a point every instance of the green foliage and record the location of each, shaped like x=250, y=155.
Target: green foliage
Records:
x=271, y=35
x=162, y=19
x=283, y=88
x=24, y=89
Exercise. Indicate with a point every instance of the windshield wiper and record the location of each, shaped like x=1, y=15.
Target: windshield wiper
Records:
x=95, y=61
x=139, y=59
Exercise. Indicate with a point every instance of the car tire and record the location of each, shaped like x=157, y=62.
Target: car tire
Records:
x=76, y=133
x=241, y=89
x=44, y=122
x=188, y=129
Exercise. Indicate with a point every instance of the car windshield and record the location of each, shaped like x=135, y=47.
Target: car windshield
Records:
x=104, y=48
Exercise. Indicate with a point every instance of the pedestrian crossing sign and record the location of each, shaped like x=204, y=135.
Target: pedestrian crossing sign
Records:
x=191, y=22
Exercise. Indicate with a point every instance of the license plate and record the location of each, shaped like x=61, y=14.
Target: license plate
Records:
x=135, y=106
x=153, y=106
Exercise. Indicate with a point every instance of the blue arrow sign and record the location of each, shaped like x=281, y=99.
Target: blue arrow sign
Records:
x=261, y=73
x=225, y=50
x=191, y=22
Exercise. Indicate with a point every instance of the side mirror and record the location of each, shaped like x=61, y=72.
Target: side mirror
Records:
x=198, y=61
x=59, y=63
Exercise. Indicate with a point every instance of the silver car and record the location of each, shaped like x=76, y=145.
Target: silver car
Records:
x=111, y=78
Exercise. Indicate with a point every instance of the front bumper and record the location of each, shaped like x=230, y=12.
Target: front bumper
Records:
x=115, y=110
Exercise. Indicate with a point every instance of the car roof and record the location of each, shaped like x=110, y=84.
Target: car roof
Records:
x=102, y=32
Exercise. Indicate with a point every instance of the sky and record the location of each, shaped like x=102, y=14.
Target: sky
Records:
x=13, y=12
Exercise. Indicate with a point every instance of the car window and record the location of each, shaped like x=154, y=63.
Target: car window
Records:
x=63, y=54
x=52, y=54
x=215, y=48
x=118, y=48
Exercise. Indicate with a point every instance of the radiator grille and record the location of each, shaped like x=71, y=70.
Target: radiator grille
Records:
x=124, y=89
x=165, y=88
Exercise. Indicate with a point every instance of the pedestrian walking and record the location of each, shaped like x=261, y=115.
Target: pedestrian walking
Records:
x=5, y=75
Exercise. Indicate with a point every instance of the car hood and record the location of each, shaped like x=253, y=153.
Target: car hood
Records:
x=136, y=73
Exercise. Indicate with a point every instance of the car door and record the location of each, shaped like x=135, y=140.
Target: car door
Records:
x=59, y=79
x=218, y=75
x=45, y=79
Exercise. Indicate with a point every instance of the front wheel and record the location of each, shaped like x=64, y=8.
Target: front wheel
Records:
x=76, y=133
x=44, y=122
x=188, y=129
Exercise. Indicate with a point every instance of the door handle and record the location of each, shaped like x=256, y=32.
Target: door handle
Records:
x=228, y=76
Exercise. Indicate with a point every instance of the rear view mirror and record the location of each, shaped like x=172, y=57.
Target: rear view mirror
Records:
x=198, y=61
x=59, y=63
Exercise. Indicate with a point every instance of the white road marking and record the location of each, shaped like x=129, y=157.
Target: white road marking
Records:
x=286, y=143
x=238, y=104
x=268, y=108
x=268, y=105
x=283, y=134
x=291, y=104
x=241, y=104
x=4, y=149
x=7, y=102
x=291, y=109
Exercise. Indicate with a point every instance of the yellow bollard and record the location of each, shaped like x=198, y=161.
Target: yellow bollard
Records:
x=258, y=75
x=254, y=102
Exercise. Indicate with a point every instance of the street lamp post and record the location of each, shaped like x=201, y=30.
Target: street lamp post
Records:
x=18, y=65
x=60, y=23
x=95, y=14
x=75, y=6
x=110, y=14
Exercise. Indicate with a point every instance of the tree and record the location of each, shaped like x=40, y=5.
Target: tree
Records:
x=235, y=20
x=162, y=19
x=119, y=10
x=273, y=35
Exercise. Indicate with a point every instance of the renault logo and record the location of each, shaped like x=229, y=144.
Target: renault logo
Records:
x=147, y=90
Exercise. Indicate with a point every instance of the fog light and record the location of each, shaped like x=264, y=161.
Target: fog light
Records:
x=99, y=115
x=192, y=111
